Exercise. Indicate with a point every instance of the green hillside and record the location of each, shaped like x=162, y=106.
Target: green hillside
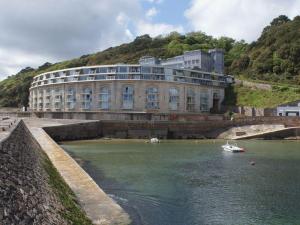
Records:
x=274, y=57
x=14, y=90
x=245, y=96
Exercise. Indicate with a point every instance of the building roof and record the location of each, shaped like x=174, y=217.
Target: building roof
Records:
x=294, y=103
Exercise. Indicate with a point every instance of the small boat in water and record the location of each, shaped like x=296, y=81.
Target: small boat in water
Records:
x=154, y=140
x=232, y=148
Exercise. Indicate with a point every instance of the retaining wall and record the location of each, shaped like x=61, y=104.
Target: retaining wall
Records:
x=25, y=196
x=160, y=129
x=129, y=116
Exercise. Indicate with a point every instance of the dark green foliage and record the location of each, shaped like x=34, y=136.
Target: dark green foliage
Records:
x=230, y=96
x=15, y=89
x=275, y=56
x=44, y=66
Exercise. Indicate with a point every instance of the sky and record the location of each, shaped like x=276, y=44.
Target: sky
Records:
x=37, y=31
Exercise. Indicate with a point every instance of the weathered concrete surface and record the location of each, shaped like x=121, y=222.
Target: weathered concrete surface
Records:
x=25, y=194
x=243, y=131
x=283, y=133
x=100, y=208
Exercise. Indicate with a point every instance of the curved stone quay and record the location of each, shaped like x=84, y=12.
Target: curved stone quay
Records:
x=99, y=207
x=25, y=190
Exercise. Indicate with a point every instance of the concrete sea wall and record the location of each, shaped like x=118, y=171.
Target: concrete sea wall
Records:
x=25, y=195
x=99, y=207
x=161, y=129
x=41, y=184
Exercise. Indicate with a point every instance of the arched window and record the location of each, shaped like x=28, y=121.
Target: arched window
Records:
x=173, y=99
x=71, y=98
x=104, y=98
x=127, y=97
x=204, y=102
x=190, y=100
x=152, y=98
x=86, y=98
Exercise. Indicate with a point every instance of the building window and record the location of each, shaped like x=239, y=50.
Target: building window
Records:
x=122, y=69
x=173, y=99
x=134, y=69
x=86, y=96
x=102, y=70
x=127, y=97
x=104, y=98
x=152, y=98
x=100, y=77
x=71, y=98
x=122, y=76
x=146, y=69
x=204, y=103
x=58, y=99
x=190, y=100
x=158, y=70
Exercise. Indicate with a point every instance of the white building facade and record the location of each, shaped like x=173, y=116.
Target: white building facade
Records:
x=128, y=88
x=289, y=109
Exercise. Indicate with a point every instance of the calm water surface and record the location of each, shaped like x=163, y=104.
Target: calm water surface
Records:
x=189, y=182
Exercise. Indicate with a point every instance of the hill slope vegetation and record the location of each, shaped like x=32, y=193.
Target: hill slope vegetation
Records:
x=14, y=89
x=275, y=57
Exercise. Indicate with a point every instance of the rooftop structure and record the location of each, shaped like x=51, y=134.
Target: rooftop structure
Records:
x=211, y=61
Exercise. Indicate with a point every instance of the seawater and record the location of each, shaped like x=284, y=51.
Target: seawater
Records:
x=196, y=182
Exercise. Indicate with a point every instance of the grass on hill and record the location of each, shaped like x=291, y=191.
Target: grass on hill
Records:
x=245, y=96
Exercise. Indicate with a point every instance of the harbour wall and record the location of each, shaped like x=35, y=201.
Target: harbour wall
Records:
x=25, y=194
x=289, y=133
x=242, y=111
x=160, y=129
x=41, y=184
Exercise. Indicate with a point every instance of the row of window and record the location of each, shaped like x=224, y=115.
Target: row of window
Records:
x=104, y=99
x=208, y=81
x=117, y=69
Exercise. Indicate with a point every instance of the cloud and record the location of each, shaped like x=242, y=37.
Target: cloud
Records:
x=151, y=12
x=12, y=61
x=41, y=31
x=34, y=32
x=155, y=1
x=144, y=27
x=240, y=19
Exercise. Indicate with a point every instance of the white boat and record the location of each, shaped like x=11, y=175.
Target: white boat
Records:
x=232, y=148
x=154, y=140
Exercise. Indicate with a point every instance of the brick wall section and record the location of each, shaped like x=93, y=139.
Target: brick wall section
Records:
x=25, y=196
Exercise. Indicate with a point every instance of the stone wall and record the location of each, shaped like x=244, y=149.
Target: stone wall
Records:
x=252, y=111
x=250, y=84
x=16, y=114
x=135, y=116
x=160, y=129
x=75, y=131
x=25, y=195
